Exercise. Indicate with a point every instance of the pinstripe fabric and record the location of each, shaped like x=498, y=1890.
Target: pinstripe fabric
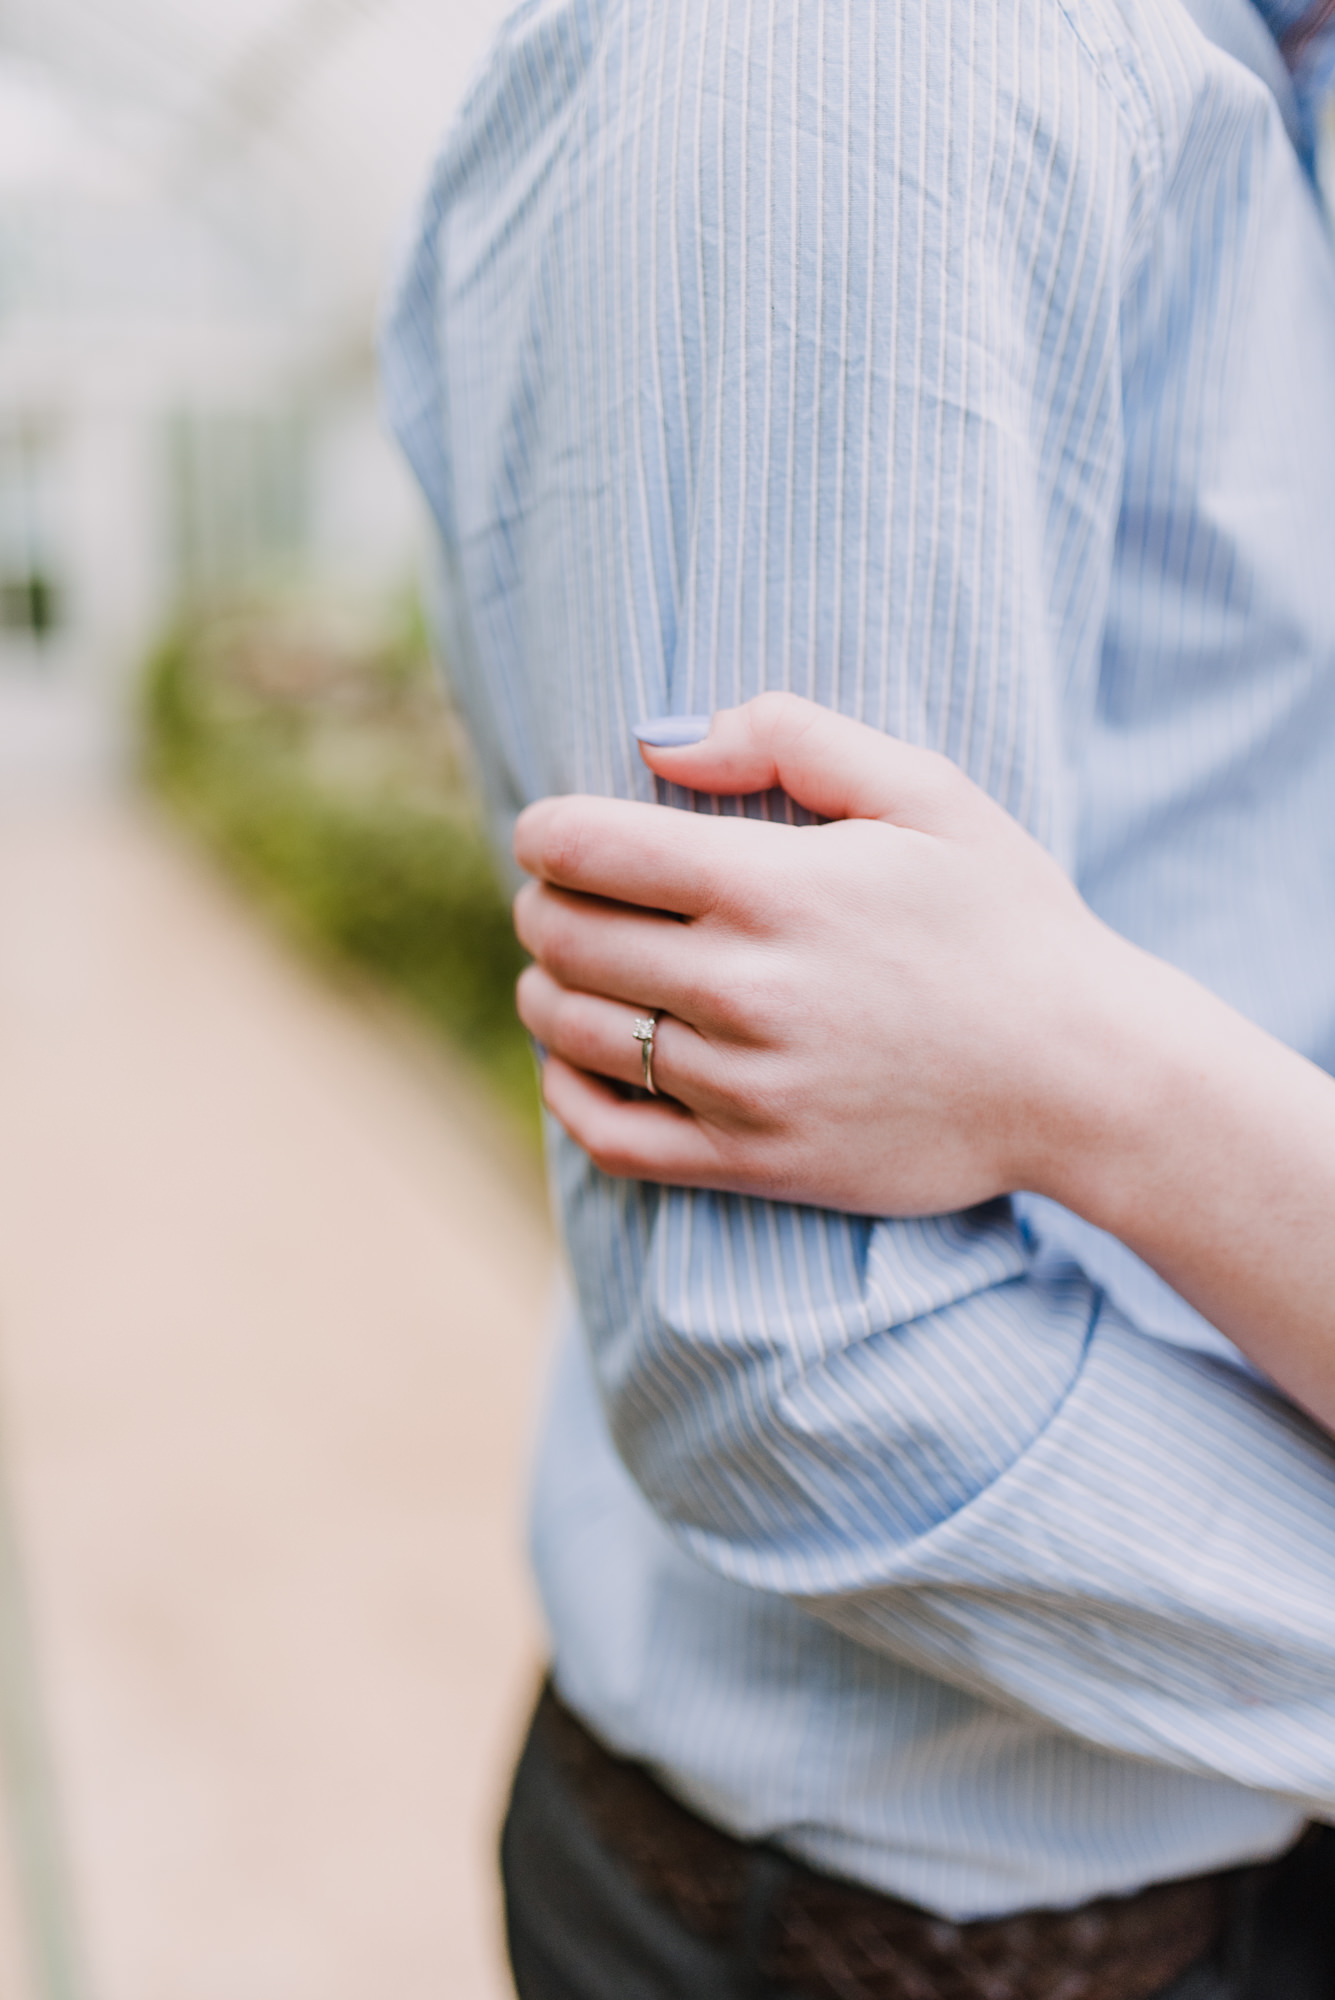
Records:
x=969, y=368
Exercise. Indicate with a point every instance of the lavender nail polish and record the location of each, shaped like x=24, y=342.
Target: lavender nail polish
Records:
x=673, y=732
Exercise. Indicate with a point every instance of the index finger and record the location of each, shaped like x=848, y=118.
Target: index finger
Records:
x=657, y=857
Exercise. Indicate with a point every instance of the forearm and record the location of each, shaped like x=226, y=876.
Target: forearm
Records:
x=1012, y=1489
x=1209, y=1148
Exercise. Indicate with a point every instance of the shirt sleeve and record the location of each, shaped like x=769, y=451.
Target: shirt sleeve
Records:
x=906, y=253
x=1018, y=1492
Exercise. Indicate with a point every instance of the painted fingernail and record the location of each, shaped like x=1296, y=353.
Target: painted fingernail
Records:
x=673, y=732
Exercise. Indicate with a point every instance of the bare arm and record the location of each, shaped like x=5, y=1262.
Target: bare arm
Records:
x=1209, y=1148
x=910, y=1010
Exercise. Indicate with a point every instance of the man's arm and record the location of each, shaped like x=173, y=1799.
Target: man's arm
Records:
x=819, y=380
x=902, y=1424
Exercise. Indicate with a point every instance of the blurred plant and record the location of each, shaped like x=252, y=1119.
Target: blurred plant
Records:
x=325, y=767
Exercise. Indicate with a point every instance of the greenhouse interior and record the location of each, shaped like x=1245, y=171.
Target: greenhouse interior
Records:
x=278, y=1278
x=198, y=212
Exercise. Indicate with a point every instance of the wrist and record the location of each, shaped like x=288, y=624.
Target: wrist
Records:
x=1116, y=1051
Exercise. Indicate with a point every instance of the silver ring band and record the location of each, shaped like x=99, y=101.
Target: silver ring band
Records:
x=643, y=1030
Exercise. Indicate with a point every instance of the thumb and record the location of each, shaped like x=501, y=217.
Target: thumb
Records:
x=835, y=767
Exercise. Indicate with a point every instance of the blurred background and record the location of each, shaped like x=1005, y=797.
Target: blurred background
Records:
x=274, y=1258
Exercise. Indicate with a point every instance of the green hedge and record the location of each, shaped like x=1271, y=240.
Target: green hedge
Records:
x=390, y=877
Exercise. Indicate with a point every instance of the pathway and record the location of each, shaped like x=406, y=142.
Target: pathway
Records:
x=272, y=1295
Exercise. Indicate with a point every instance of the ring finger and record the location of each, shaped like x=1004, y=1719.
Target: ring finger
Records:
x=595, y=1035
x=623, y=953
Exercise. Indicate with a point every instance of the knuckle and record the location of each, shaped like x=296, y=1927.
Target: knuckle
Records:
x=775, y=715
x=565, y=842
x=549, y=931
x=559, y=942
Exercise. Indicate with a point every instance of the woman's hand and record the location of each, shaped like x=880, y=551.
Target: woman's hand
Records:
x=899, y=1012
x=910, y=1010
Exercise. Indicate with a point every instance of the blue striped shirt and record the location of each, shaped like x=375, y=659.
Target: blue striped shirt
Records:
x=969, y=368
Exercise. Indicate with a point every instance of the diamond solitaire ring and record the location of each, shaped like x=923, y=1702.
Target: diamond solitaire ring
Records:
x=643, y=1030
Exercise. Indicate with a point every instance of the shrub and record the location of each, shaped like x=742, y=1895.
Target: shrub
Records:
x=328, y=777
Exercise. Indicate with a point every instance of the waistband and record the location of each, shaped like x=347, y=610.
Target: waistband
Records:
x=836, y=1940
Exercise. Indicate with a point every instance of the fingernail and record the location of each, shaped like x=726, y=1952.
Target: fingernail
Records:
x=673, y=732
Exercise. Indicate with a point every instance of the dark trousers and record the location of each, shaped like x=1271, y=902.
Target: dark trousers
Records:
x=580, y=1929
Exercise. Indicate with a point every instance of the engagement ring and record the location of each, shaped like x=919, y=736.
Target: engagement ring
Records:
x=643, y=1030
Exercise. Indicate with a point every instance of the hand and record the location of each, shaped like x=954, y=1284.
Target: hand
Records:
x=892, y=1013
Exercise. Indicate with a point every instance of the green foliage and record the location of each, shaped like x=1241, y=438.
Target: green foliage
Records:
x=332, y=787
